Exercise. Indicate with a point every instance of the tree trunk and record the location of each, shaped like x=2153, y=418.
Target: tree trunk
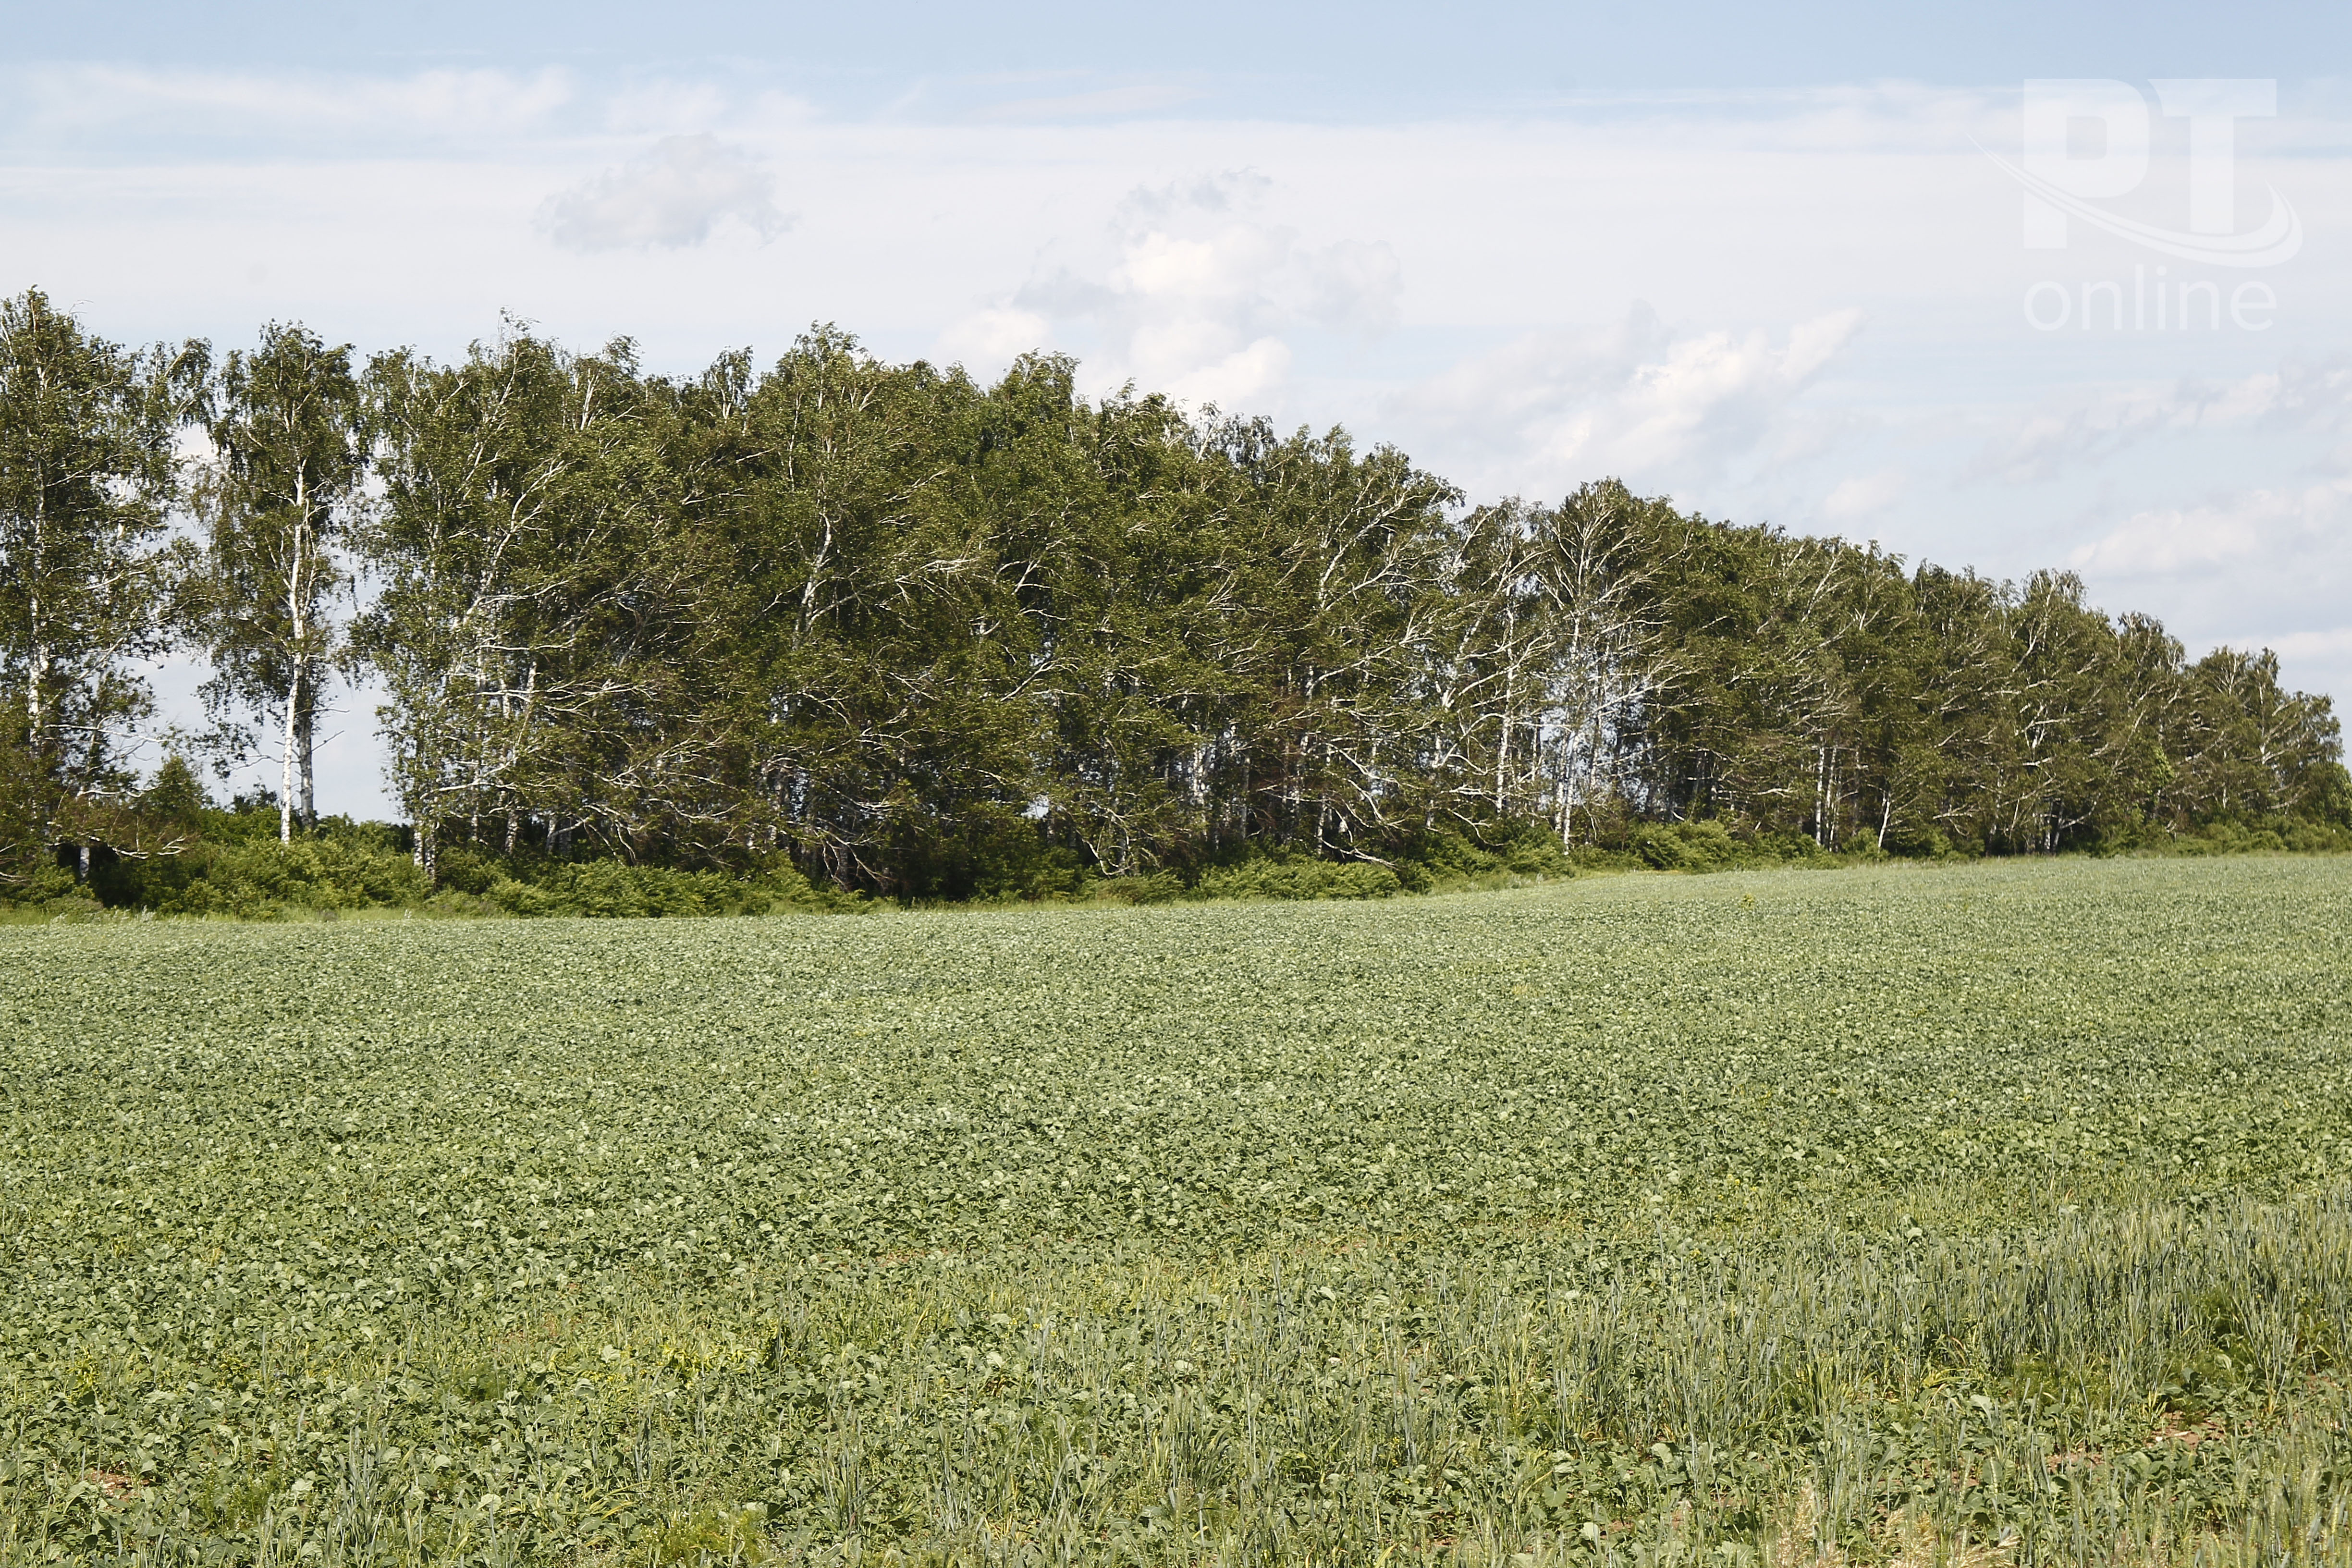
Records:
x=286, y=763
x=297, y=628
x=37, y=675
x=306, y=742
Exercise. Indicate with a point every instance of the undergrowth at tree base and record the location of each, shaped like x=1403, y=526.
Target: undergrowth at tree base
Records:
x=233, y=867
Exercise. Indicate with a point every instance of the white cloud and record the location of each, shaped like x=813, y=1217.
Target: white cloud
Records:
x=1243, y=377
x=1354, y=286
x=434, y=105
x=2333, y=646
x=1866, y=495
x=2277, y=525
x=2085, y=427
x=992, y=337
x=1715, y=396
x=672, y=198
x=2173, y=538
x=1635, y=400
x=1199, y=293
x=675, y=106
x=2091, y=426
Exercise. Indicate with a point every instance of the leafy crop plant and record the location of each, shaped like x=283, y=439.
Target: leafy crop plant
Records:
x=1989, y=1214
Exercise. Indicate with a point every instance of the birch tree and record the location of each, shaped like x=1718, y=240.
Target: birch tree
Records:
x=86, y=474
x=511, y=617
x=287, y=422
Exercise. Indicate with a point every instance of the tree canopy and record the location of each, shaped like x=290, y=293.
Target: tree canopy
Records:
x=925, y=636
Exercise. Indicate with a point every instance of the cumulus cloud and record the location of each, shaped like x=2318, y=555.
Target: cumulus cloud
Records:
x=1634, y=399
x=2273, y=525
x=2086, y=426
x=2164, y=539
x=2260, y=567
x=1864, y=496
x=1245, y=376
x=994, y=336
x=671, y=198
x=1198, y=293
x=2332, y=646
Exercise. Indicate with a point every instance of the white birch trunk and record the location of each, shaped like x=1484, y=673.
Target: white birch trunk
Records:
x=296, y=738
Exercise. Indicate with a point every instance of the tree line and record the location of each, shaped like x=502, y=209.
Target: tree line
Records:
x=925, y=636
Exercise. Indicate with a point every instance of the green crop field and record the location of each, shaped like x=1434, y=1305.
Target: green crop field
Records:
x=1998, y=1214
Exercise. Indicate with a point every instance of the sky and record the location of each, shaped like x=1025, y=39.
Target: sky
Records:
x=1997, y=286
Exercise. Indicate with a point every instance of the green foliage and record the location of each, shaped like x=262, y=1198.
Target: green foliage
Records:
x=176, y=797
x=2275, y=836
x=46, y=892
x=934, y=640
x=1747, y=1218
x=1709, y=845
x=85, y=476
x=1501, y=853
x=1686, y=846
x=262, y=878
x=287, y=422
x=527, y=886
x=946, y=642
x=1266, y=877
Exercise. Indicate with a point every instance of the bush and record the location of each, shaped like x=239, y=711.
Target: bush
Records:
x=2316, y=838
x=2273, y=834
x=1269, y=877
x=612, y=888
x=1686, y=847
x=1709, y=845
x=266, y=878
x=1156, y=888
x=1502, y=850
x=1919, y=841
x=47, y=889
x=988, y=854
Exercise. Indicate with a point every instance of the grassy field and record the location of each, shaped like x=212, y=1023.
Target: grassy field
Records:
x=2000, y=1214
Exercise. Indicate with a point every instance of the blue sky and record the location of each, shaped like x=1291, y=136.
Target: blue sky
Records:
x=1382, y=59
x=1764, y=262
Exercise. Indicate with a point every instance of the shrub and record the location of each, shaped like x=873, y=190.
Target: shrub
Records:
x=264, y=879
x=1154, y=888
x=1523, y=848
x=1269, y=877
x=611, y=888
x=1686, y=847
x=47, y=889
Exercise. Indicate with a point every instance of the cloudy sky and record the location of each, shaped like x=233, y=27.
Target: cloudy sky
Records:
x=1775, y=265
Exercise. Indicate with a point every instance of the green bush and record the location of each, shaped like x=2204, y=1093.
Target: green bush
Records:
x=1502, y=850
x=612, y=888
x=1155, y=887
x=1300, y=879
x=1686, y=847
x=266, y=878
x=1710, y=846
x=46, y=888
x=1918, y=841
x=2277, y=834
